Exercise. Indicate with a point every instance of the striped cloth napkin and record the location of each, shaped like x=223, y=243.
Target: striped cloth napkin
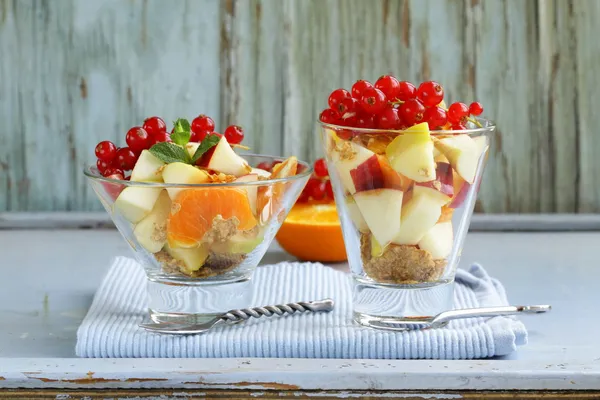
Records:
x=110, y=328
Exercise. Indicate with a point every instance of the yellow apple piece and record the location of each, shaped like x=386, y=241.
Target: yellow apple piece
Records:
x=381, y=209
x=411, y=154
x=136, y=202
x=260, y=172
x=147, y=168
x=355, y=215
x=224, y=159
x=251, y=190
x=192, y=258
x=438, y=240
x=419, y=215
x=191, y=148
x=463, y=153
x=151, y=232
x=347, y=157
x=184, y=174
x=269, y=196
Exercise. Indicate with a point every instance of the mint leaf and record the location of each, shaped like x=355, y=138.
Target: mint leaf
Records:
x=181, y=132
x=170, y=152
x=209, y=142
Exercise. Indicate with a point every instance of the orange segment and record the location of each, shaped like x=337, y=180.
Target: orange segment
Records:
x=312, y=232
x=193, y=212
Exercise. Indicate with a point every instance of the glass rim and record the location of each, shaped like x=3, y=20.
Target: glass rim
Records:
x=91, y=172
x=488, y=126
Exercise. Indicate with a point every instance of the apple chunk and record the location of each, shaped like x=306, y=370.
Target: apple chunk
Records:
x=223, y=159
x=184, y=174
x=441, y=187
x=192, y=259
x=419, y=215
x=411, y=154
x=147, y=168
x=260, y=172
x=251, y=190
x=355, y=215
x=381, y=209
x=376, y=173
x=345, y=158
x=463, y=154
x=438, y=240
x=135, y=202
x=151, y=232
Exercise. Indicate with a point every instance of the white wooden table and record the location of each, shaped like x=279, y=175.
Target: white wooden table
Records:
x=49, y=277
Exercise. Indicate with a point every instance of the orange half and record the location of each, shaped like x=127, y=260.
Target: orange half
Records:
x=193, y=211
x=312, y=232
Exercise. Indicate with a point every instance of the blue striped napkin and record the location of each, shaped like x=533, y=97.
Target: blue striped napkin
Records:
x=110, y=328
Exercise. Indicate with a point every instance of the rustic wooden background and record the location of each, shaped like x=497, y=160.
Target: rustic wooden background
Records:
x=73, y=72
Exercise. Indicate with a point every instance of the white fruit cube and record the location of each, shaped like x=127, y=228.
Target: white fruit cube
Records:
x=419, y=215
x=463, y=153
x=184, y=174
x=151, y=232
x=381, y=209
x=227, y=161
x=441, y=199
x=135, y=202
x=192, y=258
x=347, y=157
x=438, y=240
x=260, y=172
x=251, y=190
x=191, y=148
x=411, y=154
x=147, y=168
x=355, y=215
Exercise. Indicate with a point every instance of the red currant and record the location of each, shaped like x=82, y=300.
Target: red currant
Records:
x=359, y=87
x=373, y=101
x=389, y=85
x=336, y=97
x=347, y=105
x=388, y=119
x=125, y=159
x=138, y=139
x=430, y=93
x=265, y=165
x=345, y=134
x=411, y=112
x=436, y=117
x=154, y=125
x=458, y=127
x=329, y=190
x=476, y=109
x=102, y=166
x=315, y=188
x=329, y=116
x=365, y=121
x=458, y=113
x=406, y=91
x=161, y=137
x=197, y=137
x=106, y=151
x=203, y=123
x=321, y=168
x=348, y=120
x=234, y=134
x=114, y=173
x=304, y=197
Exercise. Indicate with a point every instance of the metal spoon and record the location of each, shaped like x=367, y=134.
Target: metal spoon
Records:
x=443, y=318
x=240, y=315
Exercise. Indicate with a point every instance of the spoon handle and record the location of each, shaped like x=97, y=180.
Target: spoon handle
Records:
x=488, y=312
x=279, y=309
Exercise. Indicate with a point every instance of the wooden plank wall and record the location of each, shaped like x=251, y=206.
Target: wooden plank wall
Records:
x=73, y=72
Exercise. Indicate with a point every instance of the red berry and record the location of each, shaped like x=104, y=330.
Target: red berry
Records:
x=265, y=165
x=106, y=151
x=161, y=137
x=336, y=97
x=234, y=134
x=359, y=87
x=348, y=120
x=406, y=91
x=202, y=123
x=109, y=173
x=329, y=116
x=154, y=125
x=388, y=119
x=458, y=127
x=315, y=188
x=365, y=121
x=304, y=197
x=389, y=85
x=346, y=106
x=125, y=159
x=138, y=139
x=430, y=93
x=102, y=166
x=329, y=189
x=436, y=117
x=321, y=168
x=458, y=113
x=197, y=137
x=475, y=108
x=373, y=101
x=411, y=112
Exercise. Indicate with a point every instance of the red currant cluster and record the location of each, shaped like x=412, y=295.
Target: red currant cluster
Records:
x=394, y=104
x=114, y=162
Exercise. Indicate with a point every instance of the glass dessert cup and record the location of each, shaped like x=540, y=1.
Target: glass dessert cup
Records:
x=199, y=244
x=405, y=200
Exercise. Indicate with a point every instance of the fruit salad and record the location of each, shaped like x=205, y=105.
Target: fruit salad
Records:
x=194, y=231
x=405, y=163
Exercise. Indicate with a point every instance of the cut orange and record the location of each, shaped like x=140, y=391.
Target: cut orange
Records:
x=312, y=232
x=193, y=211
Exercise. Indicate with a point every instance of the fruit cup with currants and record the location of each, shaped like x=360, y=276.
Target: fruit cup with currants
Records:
x=408, y=168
